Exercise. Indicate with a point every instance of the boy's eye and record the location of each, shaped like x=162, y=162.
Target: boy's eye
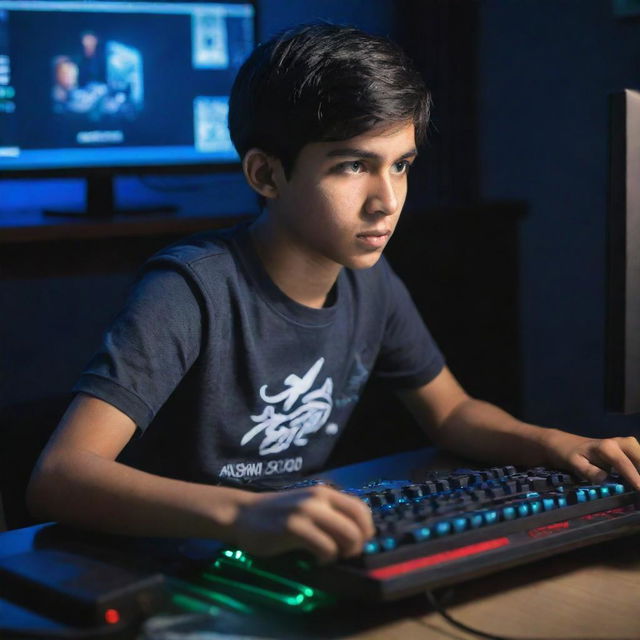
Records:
x=353, y=166
x=402, y=166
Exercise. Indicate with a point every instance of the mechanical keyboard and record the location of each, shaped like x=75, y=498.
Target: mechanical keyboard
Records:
x=448, y=527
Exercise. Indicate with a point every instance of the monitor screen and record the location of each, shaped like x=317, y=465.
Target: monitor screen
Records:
x=95, y=85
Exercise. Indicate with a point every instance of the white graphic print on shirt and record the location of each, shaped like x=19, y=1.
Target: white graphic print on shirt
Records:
x=293, y=421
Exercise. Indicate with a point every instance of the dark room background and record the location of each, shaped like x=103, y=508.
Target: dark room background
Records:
x=503, y=243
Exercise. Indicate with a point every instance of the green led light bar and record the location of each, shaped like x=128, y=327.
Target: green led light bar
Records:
x=221, y=599
x=285, y=592
x=305, y=590
x=192, y=605
x=270, y=597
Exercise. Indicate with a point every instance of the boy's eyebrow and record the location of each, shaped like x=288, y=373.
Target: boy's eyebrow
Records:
x=351, y=152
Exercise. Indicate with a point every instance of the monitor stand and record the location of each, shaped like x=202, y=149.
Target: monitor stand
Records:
x=100, y=203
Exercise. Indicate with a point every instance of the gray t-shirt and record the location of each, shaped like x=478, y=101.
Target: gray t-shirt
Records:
x=227, y=377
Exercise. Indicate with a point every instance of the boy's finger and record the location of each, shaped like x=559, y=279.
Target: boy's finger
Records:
x=315, y=540
x=619, y=459
x=342, y=529
x=356, y=510
x=587, y=470
x=631, y=447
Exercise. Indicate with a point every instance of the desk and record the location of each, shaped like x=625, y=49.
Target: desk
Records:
x=589, y=593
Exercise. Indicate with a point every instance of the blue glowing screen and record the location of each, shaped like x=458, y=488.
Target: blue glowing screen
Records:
x=90, y=84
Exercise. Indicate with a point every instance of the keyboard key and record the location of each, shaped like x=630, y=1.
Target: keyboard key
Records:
x=429, y=488
x=412, y=491
x=476, y=520
x=459, y=524
x=577, y=496
x=490, y=517
x=539, y=483
x=535, y=506
x=509, y=513
x=371, y=546
x=420, y=534
x=548, y=504
x=388, y=543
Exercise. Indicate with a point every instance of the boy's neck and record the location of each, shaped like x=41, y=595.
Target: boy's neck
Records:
x=302, y=278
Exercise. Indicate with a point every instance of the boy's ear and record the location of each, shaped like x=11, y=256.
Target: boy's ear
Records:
x=261, y=171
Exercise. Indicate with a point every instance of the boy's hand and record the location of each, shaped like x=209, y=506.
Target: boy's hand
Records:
x=593, y=458
x=319, y=519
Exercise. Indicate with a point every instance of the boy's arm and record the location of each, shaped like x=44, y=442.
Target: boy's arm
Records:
x=78, y=481
x=479, y=430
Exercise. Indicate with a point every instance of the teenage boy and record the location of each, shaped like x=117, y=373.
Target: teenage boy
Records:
x=241, y=354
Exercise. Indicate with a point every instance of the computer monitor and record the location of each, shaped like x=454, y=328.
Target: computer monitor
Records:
x=96, y=88
x=623, y=303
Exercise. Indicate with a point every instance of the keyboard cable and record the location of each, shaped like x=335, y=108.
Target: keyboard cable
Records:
x=439, y=608
x=437, y=605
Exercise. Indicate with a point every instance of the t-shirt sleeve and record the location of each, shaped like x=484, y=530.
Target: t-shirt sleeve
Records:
x=149, y=347
x=409, y=356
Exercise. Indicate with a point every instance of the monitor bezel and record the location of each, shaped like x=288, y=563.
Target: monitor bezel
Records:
x=622, y=358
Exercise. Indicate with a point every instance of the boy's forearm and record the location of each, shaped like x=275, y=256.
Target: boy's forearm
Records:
x=482, y=431
x=86, y=490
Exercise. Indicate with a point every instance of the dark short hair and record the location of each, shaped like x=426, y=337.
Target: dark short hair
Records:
x=322, y=82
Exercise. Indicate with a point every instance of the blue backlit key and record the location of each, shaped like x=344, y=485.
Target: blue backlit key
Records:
x=509, y=513
x=388, y=543
x=491, y=516
x=476, y=520
x=535, y=506
x=371, y=546
x=459, y=524
x=548, y=504
x=420, y=534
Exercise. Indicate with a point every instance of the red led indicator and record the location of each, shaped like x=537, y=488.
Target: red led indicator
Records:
x=112, y=616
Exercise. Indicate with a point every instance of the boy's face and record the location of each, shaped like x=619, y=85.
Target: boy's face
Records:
x=343, y=199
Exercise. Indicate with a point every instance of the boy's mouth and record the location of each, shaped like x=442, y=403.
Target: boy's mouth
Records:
x=374, y=238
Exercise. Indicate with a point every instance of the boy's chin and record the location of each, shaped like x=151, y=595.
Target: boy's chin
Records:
x=364, y=262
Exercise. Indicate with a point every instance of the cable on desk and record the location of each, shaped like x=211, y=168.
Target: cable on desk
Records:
x=433, y=601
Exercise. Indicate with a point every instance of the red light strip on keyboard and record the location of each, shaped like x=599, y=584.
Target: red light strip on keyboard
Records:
x=393, y=570
x=546, y=530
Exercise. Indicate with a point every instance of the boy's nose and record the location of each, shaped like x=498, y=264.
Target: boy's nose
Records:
x=383, y=198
